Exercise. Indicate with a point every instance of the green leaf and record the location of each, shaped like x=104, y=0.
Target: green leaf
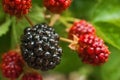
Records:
x=5, y=42
x=14, y=35
x=109, y=32
x=2, y=14
x=111, y=70
x=5, y=27
x=17, y=30
x=83, y=8
x=37, y=14
x=107, y=11
x=106, y=19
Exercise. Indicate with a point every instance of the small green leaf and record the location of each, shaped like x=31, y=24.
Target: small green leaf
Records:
x=5, y=27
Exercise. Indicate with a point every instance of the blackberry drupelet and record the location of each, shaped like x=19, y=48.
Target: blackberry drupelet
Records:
x=40, y=47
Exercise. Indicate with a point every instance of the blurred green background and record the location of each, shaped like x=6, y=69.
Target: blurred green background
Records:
x=105, y=16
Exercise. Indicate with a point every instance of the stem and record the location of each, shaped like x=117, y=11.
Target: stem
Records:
x=66, y=40
x=64, y=22
x=72, y=19
x=54, y=19
x=17, y=49
x=27, y=18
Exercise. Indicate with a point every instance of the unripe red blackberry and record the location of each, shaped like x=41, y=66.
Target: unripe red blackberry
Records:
x=92, y=50
x=56, y=6
x=32, y=76
x=12, y=65
x=16, y=7
x=81, y=27
x=40, y=47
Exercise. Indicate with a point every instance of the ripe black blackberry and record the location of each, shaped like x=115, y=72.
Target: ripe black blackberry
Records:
x=40, y=47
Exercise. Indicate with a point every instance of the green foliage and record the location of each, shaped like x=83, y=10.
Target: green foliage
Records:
x=104, y=14
x=111, y=70
x=5, y=27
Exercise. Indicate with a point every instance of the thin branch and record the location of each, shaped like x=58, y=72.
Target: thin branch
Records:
x=54, y=19
x=66, y=40
x=27, y=18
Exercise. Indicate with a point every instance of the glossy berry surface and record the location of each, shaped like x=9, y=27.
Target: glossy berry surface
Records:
x=12, y=65
x=16, y=7
x=79, y=28
x=56, y=6
x=32, y=76
x=40, y=47
x=92, y=50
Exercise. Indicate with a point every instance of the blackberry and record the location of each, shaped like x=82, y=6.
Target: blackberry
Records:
x=40, y=47
x=12, y=65
x=17, y=8
x=81, y=27
x=92, y=50
x=57, y=6
x=32, y=76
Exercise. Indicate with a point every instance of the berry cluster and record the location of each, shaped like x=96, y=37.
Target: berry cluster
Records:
x=12, y=65
x=19, y=8
x=40, y=47
x=79, y=28
x=56, y=6
x=40, y=43
x=91, y=49
x=16, y=7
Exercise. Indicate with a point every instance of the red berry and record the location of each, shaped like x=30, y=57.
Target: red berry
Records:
x=56, y=6
x=80, y=28
x=32, y=76
x=92, y=50
x=16, y=7
x=12, y=65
